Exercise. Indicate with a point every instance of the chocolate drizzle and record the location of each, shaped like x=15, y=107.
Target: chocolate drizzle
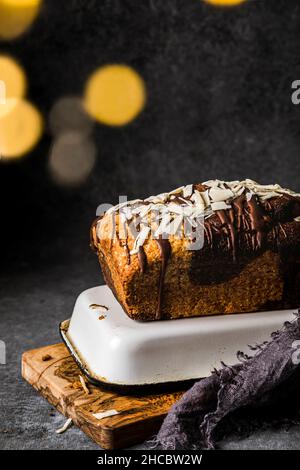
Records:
x=165, y=253
x=228, y=223
x=127, y=251
x=142, y=259
x=258, y=222
x=247, y=219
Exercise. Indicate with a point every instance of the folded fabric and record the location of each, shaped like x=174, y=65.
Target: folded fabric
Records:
x=265, y=387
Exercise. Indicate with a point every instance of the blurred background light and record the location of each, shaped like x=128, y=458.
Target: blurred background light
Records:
x=68, y=114
x=16, y=16
x=2, y=92
x=12, y=74
x=72, y=158
x=21, y=127
x=225, y=2
x=115, y=95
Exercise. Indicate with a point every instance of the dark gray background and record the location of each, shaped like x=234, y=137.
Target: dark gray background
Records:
x=219, y=106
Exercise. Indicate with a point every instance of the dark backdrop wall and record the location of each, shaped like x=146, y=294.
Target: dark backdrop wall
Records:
x=218, y=106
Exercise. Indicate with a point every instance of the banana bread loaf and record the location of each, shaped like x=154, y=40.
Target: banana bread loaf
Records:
x=203, y=249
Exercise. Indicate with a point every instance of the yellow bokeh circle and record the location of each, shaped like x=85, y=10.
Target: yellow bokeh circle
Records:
x=115, y=95
x=21, y=127
x=225, y=3
x=13, y=77
x=16, y=16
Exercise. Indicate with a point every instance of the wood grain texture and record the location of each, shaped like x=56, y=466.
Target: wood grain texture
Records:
x=54, y=374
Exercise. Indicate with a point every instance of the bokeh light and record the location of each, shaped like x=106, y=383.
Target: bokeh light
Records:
x=68, y=114
x=12, y=74
x=115, y=95
x=72, y=158
x=16, y=16
x=225, y=3
x=2, y=92
x=21, y=127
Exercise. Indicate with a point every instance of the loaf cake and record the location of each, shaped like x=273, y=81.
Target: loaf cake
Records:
x=203, y=249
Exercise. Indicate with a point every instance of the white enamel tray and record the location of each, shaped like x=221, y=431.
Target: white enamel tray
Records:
x=118, y=350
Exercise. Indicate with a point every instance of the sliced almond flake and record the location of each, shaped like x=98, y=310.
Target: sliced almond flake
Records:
x=288, y=191
x=111, y=210
x=185, y=201
x=144, y=234
x=127, y=212
x=218, y=195
x=164, y=209
x=249, y=196
x=84, y=385
x=122, y=217
x=212, y=183
x=140, y=240
x=198, y=212
x=139, y=209
x=187, y=190
x=208, y=215
x=159, y=207
x=65, y=427
x=105, y=414
x=231, y=184
x=163, y=225
x=249, y=182
x=240, y=191
x=267, y=187
x=175, y=208
x=159, y=198
x=219, y=206
x=177, y=191
x=235, y=187
x=192, y=221
x=205, y=197
x=188, y=211
x=173, y=227
x=145, y=210
x=198, y=199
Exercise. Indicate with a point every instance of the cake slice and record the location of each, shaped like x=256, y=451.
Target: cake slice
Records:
x=203, y=249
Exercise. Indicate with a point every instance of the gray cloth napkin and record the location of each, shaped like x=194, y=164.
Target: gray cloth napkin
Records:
x=260, y=390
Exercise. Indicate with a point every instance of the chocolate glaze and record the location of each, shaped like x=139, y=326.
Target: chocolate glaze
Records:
x=247, y=220
x=165, y=253
x=241, y=234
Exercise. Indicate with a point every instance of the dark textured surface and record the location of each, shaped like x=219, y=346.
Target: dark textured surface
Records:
x=31, y=308
x=219, y=87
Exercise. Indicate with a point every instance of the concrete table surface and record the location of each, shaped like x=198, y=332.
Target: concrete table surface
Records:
x=32, y=305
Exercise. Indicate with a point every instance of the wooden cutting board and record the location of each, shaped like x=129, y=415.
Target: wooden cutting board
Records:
x=54, y=374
